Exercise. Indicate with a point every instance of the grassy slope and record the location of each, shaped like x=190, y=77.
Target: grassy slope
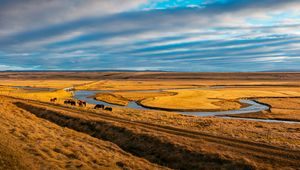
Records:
x=49, y=146
x=285, y=136
x=10, y=156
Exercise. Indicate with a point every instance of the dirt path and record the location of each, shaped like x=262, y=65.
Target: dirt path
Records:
x=261, y=152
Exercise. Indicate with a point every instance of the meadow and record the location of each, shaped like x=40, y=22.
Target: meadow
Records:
x=215, y=99
x=59, y=136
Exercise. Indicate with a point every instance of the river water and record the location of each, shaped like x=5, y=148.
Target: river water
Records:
x=253, y=107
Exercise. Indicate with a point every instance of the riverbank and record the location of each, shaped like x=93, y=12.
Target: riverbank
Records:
x=281, y=108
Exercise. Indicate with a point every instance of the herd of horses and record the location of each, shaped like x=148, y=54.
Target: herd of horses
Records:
x=81, y=103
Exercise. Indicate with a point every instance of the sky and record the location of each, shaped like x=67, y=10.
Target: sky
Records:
x=169, y=35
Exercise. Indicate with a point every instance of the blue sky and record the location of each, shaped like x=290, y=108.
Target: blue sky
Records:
x=171, y=35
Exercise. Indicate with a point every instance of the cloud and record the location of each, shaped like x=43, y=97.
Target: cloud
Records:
x=18, y=15
x=6, y=67
x=122, y=34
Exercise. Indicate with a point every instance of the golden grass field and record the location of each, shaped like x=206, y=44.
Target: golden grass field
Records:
x=136, y=85
x=37, y=95
x=112, y=98
x=215, y=99
x=56, y=84
x=181, y=84
x=38, y=134
x=122, y=98
x=38, y=144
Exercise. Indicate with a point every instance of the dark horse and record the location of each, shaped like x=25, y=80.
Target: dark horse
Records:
x=71, y=102
x=53, y=99
x=81, y=103
x=99, y=106
x=108, y=108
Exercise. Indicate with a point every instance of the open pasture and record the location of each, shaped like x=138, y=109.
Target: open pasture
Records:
x=55, y=84
x=131, y=133
x=215, y=99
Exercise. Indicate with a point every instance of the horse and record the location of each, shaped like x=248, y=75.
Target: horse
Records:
x=53, y=99
x=67, y=102
x=71, y=102
x=81, y=103
x=99, y=106
x=108, y=108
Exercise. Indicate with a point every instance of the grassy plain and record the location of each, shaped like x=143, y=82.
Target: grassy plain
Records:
x=61, y=95
x=169, y=149
x=137, y=85
x=122, y=98
x=215, y=99
x=129, y=85
x=56, y=84
x=56, y=136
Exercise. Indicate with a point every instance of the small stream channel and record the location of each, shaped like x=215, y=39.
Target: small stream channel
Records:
x=253, y=106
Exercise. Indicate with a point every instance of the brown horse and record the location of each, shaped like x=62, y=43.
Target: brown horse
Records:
x=99, y=106
x=71, y=102
x=81, y=103
x=108, y=108
x=53, y=99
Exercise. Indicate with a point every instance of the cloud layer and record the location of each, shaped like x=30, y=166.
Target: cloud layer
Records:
x=232, y=35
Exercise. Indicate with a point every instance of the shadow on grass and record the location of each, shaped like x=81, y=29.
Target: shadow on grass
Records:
x=154, y=149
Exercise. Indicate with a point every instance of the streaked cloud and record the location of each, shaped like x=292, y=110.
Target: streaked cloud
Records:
x=195, y=35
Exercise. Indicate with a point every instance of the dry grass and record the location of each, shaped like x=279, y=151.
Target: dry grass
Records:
x=122, y=98
x=136, y=85
x=284, y=136
x=35, y=95
x=155, y=84
x=135, y=96
x=156, y=147
x=54, y=147
x=215, y=99
x=281, y=109
x=57, y=84
x=111, y=98
x=44, y=145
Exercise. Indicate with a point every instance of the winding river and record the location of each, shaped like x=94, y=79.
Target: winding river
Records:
x=253, y=106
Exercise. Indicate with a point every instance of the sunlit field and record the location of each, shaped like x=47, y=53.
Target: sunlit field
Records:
x=215, y=99
x=149, y=85
x=35, y=95
x=73, y=136
x=56, y=84
x=176, y=84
